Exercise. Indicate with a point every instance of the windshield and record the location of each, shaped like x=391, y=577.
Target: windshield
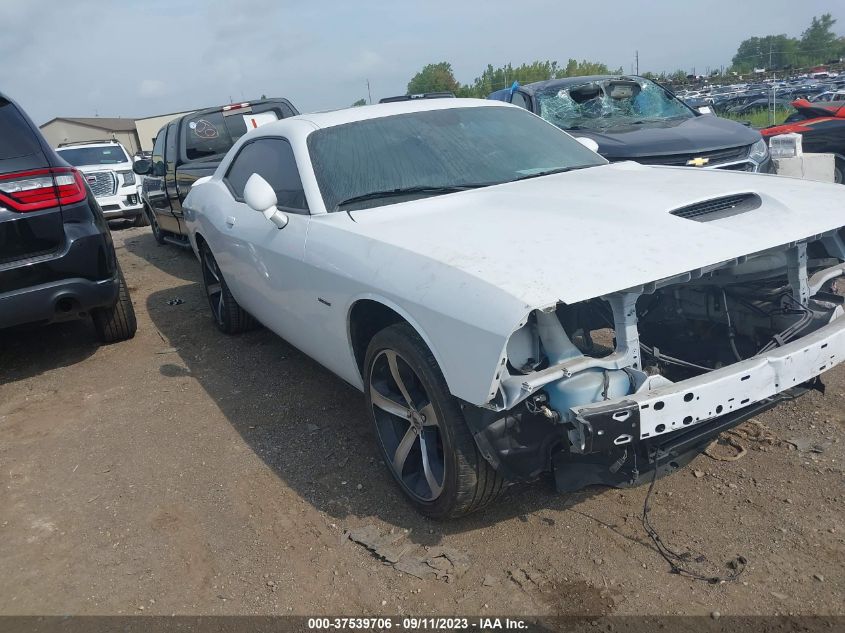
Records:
x=107, y=155
x=437, y=149
x=609, y=103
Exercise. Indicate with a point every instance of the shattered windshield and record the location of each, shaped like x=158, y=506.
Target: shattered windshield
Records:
x=610, y=103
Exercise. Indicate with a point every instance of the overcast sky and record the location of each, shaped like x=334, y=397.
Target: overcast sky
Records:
x=144, y=57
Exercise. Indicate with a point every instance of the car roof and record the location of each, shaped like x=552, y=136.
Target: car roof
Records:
x=381, y=110
x=87, y=144
x=539, y=86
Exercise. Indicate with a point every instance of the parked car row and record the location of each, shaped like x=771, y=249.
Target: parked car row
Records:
x=510, y=302
x=726, y=99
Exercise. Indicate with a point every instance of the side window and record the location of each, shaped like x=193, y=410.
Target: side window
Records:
x=170, y=153
x=520, y=100
x=18, y=138
x=158, y=154
x=273, y=160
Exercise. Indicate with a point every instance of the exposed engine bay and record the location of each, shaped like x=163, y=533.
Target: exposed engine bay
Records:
x=619, y=376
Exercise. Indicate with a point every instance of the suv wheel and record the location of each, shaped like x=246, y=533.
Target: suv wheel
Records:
x=230, y=317
x=116, y=323
x=423, y=436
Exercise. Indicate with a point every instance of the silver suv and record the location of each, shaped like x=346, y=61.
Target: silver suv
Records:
x=107, y=168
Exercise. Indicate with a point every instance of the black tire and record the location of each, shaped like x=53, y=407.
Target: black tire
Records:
x=466, y=482
x=229, y=317
x=118, y=322
x=839, y=171
x=141, y=219
x=158, y=234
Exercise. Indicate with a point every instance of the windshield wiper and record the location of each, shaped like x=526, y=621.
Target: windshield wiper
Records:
x=549, y=172
x=423, y=189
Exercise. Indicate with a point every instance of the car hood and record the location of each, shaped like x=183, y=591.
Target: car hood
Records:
x=679, y=136
x=587, y=233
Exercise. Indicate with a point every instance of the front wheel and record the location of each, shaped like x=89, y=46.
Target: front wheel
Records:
x=424, y=439
x=229, y=317
x=158, y=234
x=839, y=171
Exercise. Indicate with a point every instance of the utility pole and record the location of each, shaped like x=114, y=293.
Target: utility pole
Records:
x=369, y=94
x=637, y=59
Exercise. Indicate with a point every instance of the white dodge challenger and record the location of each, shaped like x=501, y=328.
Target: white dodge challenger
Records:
x=510, y=303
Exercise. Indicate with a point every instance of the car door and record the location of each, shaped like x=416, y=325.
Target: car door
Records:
x=263, y=265
x=154, y=185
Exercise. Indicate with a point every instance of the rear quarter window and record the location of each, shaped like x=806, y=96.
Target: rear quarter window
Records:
x=16, y=137
x=213, y=133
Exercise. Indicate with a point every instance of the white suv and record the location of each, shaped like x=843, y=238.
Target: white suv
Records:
x=108, y=170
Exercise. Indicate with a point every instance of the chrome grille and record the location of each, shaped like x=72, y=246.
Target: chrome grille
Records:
x=719, y=207
x=714, y=157
x=102, y=183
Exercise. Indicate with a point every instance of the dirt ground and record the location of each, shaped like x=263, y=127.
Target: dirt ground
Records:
x=192, y=473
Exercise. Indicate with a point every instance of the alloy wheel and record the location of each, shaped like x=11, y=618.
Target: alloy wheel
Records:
x=407, y=426
x=213, y=284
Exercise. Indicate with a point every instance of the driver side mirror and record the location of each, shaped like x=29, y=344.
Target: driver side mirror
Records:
x=259, y=196
x=588, y=143
x=142, y=166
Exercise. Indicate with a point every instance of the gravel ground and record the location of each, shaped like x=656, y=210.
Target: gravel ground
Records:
x=193, y=473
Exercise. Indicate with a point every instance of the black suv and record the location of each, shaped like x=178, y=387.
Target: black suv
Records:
x=57, y=259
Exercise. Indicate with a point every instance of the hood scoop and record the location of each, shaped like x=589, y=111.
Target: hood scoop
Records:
x=718, y=208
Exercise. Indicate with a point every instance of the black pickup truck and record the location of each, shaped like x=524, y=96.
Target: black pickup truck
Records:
x=189, y=148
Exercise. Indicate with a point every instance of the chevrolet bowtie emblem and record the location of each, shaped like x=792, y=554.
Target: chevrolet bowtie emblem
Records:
x=697, y=162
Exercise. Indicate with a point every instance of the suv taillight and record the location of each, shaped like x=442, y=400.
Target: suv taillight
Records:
x=38, y=189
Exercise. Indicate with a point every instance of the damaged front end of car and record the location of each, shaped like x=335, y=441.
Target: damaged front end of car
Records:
x=608, y=390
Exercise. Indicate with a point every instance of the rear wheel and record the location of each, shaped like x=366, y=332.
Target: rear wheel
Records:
x=230, y=317
x=116, y=323
x=424, y=439
x=839, y=171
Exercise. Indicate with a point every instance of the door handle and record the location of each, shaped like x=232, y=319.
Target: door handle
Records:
x=230, y=221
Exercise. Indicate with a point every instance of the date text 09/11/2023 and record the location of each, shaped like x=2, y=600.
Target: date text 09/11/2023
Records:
x=416, y=623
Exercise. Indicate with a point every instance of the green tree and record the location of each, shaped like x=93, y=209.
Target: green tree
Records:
x=771, y=51
x=819, y=43
x=503, y=77
x=360, y=102
x=434, y=78
x=677, y=77
x=574, y=68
